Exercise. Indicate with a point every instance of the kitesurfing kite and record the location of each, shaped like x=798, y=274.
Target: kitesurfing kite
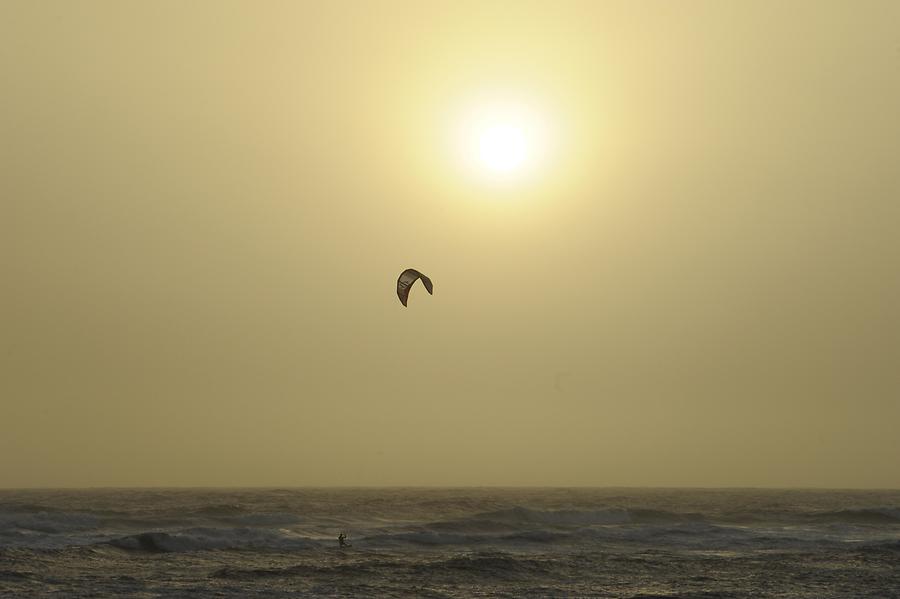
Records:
x=406, y=280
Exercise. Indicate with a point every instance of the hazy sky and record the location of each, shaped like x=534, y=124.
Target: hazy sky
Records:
x=204, y=207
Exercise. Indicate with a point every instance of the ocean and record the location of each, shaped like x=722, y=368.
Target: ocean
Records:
x=454, y=542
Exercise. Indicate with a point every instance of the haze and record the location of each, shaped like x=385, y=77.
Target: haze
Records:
x=205, y=207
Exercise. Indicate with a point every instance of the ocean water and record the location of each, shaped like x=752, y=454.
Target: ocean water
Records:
x=476, y=542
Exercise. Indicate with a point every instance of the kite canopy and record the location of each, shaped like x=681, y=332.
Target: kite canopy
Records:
x=406, y=280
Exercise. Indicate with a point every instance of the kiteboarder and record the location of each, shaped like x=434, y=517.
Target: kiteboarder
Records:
x=342, y=540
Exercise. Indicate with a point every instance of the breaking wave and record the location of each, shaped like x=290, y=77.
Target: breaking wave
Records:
x=202, y=539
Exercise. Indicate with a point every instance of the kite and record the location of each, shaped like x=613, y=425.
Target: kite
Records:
x=406, y=280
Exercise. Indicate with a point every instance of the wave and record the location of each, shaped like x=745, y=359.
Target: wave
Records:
x=538, y=536
x=19, y=508
x=522, y=519
x=220, y=509
x=493, y=565
x=679, y=533
x=426, y=537
x=874, y=516
x=30, y=521
x=519, y=518
x=519, y=515
x=304, y=570
x=47, y=522
x=891, y=547
x=487, y=565
x=25, y=508
x=570, y=517
x=268, y=519
x=14, y=576
x=203, y=539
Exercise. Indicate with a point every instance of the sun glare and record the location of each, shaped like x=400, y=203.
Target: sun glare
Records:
x=502, y=141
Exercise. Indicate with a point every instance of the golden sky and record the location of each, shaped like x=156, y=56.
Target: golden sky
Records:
x=693, y=280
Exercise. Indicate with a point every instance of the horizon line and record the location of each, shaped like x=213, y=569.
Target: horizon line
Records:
x=461, y=487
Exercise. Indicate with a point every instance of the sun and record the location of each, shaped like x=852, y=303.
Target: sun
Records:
x=503, y=147
x=502, y=140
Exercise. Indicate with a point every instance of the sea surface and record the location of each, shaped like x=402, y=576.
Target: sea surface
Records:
x=477, y=542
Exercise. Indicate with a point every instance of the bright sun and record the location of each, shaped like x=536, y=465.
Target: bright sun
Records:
x=502, y=147
x=502, y=141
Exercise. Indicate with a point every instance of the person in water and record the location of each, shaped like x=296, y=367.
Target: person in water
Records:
x=342, y=540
